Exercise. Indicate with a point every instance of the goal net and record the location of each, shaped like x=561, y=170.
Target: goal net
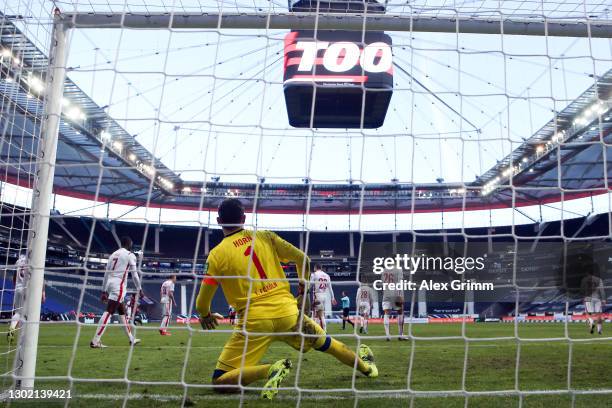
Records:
x=456, y=150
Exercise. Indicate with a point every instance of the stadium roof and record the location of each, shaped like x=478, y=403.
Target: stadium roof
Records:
x=564, y=159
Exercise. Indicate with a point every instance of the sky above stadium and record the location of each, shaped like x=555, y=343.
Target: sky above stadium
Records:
x=210, y=103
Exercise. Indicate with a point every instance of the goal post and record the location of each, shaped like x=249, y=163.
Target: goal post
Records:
x=25, y=361
x=24, y=364
x=330, y=21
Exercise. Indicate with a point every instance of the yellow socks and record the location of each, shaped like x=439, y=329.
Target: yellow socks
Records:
x=346, y=355
x=249, y=375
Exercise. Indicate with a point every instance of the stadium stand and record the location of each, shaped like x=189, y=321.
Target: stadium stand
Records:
x=173, y=253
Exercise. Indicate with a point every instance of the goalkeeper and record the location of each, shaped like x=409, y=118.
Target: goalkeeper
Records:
x=265, y=305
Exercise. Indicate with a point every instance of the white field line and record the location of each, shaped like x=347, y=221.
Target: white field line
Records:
x=394, y=346
x=320, y=395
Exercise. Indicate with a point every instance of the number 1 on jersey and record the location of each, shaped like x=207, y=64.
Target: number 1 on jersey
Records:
x=256, y=262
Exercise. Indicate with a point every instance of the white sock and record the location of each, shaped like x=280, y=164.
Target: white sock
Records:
x=162, y=326
x=598, y=327
x=386, y=322
x=590, y=322
x=101, y=327
x=323, y=323
x=15, y=320
x=126, y=327
x=365, y=324
x=400, y=324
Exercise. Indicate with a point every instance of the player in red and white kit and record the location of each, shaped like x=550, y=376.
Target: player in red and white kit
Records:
x=393, y=300
x=231, y=312
x=592, y=288
x=365, y=300
x=131, y=308
x=167, y=301
x=121, y=263
x=322, y=291
x=20, y=281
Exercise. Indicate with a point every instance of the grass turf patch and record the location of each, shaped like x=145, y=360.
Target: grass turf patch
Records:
x=167, y=371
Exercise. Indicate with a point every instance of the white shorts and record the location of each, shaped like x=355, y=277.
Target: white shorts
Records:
x=166, y=308
x=396, y=303
x=593, y=305
x=116, y=291
x=364, y=308
x=18, y=299
x=320, y=301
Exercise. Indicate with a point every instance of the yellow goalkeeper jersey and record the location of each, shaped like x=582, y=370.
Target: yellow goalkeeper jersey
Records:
x=257, y=255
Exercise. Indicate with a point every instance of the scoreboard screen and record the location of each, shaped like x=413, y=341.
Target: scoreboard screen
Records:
x=336, y=6
x=347, y=69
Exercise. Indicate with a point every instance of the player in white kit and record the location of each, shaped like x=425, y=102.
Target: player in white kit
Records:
x=167, y=301
x=121, y=263
x=364, y=301
x=131, y=308
x=20, y=282
x=594, y=299
x=393, y=300
x=322, y=291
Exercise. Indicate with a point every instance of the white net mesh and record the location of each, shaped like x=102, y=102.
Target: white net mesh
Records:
x=490, y=137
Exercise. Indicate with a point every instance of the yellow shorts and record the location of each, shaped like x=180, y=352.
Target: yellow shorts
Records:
x=253, y=345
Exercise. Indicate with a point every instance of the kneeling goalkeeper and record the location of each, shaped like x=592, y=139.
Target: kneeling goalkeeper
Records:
x=265, y=306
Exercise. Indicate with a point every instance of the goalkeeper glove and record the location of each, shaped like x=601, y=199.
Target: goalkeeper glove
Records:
x=209, y=322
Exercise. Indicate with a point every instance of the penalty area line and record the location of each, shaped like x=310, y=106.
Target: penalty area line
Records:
x=253, y=395
x=250, y=396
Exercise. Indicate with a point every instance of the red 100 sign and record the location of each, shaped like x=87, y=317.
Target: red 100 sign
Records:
x=342, y=56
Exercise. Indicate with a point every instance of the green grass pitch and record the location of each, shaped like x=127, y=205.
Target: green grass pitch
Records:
x=437, y=365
